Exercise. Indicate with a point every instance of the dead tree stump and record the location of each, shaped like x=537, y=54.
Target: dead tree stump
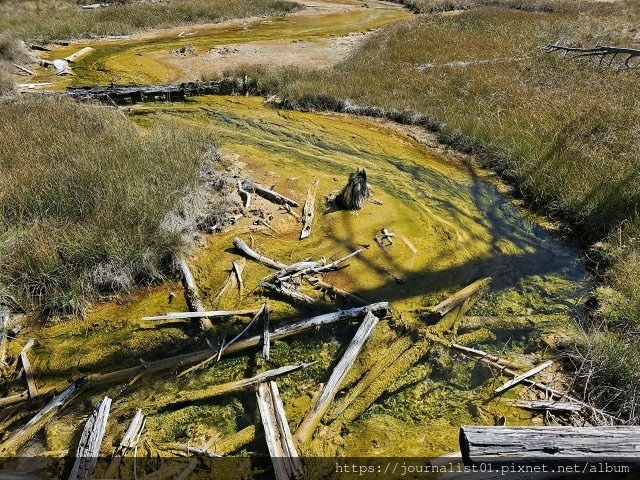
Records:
x=355, y=192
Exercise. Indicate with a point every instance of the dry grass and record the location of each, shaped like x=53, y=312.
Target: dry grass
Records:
x=46, y=20
x=564, y=131
x=82, y=201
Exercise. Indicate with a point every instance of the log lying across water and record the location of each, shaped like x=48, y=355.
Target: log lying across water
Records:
x=286, y=462
x=194, y=302
x=90, y=441
x=308, y=425
x=126, y=94
x=549, y=444
x=269, y=194
x=308, y=210
x=460, y=296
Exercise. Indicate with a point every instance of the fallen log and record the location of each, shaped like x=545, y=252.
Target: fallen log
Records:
x=548, y=405
x=224, y=388
x=194, y=303
x=285, y=459
x=123, y=94
x=311, y=421
x=308, y=210
x=318, y=267
x=380, y=308
x=94, y=6
x=129, y=441
x=193, y=463
x=28, y=373
x=89, y=447
x=208, y=313
x=19, y=438
x=518, y=379
x=460, y=296
x=23, y=69
x=602, y=51
x=503, y=445
x=269, y=194
x=238, y=266
x=244, y=248
x=79, y=54
x=61, y=66
x=266, y=334
x=288, y=293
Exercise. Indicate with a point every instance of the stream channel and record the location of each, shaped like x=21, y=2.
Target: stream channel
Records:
x=453, y=226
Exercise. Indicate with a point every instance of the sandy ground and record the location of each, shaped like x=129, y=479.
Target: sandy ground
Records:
x=316, y=53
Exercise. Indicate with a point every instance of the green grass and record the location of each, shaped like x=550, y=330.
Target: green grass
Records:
x=564, y=132
x=47, y=20
x=82, y=199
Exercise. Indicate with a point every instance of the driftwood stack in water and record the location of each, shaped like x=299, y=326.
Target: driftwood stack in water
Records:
x=354, y=194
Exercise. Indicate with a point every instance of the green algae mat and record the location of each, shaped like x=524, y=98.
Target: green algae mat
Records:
x=407, y=394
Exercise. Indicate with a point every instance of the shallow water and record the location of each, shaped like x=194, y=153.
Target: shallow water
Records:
x=460, y=226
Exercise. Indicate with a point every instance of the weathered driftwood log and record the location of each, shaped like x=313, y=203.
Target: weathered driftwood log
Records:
x=191, y=466
x=194, y=303
x=548, y=444
x=90, y=441
x=355, y=192
x=79, y=54
x=312, y=419
x=122, y=94
x=224, y=388
x=238, y=267
x=518, y=379
x=548, y=405
x=386, y=358
x=23, y=69
x=28, y=373
x=208, y=313
x=318, y=267
x=269, y=194
x=601, y=51
x=308, y=210
x=19, y=438
x=266, y=334
x=289, y=293
x=244, y=248
x=285, y=459
x=232, y=277
x=129, y=441
x=460, y=296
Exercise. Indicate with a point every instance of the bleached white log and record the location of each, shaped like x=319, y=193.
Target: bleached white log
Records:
x=90, y=441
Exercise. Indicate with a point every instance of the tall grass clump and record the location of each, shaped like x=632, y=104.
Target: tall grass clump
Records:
x=83, y=194
x=47, y=20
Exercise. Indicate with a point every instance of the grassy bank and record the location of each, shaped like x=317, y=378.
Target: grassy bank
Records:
x=83, y=196
x=565, y=132
x=46, y=20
